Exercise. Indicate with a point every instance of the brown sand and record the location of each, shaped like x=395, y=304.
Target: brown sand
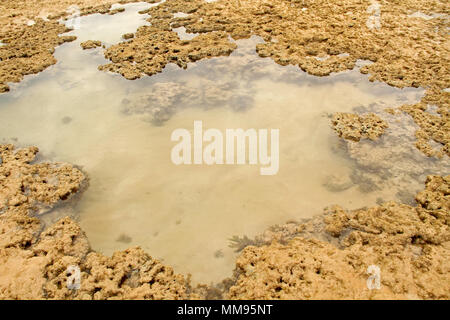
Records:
x=323, y=258
x=30, y=49
x=91, y=44
x=405, y=51
x=354, y=127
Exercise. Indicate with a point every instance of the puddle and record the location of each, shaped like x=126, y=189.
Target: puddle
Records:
x=183, y=35
x=119, y=132
x=109, y=29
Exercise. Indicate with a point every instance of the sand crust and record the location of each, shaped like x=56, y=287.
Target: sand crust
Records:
x=409, y=244
x=320, y=37
x=90, y=44
x=354, y=127
x=326, y=257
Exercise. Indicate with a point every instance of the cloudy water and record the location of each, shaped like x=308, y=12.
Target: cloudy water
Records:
x=119, y=132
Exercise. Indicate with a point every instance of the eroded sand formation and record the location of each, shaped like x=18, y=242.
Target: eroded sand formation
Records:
x=34, y=261
x=392, y=161
x=409, y=244
x=90, y=44
x=163, y=46
x=29, y=31
x=29, y=50
x=319, y=36
x=354, y=127
x=326, y=257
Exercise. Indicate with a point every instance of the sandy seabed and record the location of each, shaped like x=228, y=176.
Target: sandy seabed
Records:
x=322, y=258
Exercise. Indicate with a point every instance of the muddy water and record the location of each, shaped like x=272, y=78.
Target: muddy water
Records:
x=119, y=132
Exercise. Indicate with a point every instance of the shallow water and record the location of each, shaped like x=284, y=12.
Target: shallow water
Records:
x=109, y=29
x=119, y=132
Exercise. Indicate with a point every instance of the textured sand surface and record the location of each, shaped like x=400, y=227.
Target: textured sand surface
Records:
x=319, y=36
x=34, y=262
x=326, y=257
x=354, y=127
x=30, y=29
x=409, y=244
x=90, y=44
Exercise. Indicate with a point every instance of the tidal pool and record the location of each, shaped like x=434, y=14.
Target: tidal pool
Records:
x=119, y=132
